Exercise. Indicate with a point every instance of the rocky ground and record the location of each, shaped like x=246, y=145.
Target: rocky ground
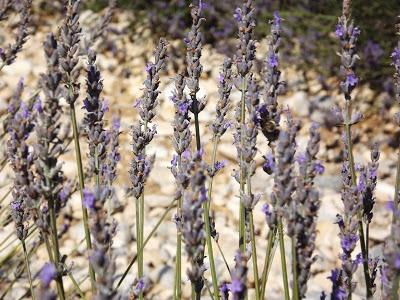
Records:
x=122, y=69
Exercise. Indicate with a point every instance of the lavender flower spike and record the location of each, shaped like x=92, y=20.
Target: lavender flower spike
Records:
x=246, y=48
x=101, y=257
x=148, y=102
x=68, y=49
x=304, y=212
x=93, y=118
x=221, y=124
x=269, y=112
x=21, y=160
x=238, y=285
x=9, y=55
x=193, y=225
x=193, y=55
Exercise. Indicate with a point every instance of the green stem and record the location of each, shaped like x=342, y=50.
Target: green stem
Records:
x=254, y=256
x=28, y=270
x=223, y=257
x=294, y=270
x=242, y=213
x=207, y=224
x=76, y=285
x=283, y=259
x=138, y=235
x=82, y=187
x=196, y=121
x=268, y=260
x=56, y=248
x=354, y=183
x=397, y=185
x=170, y=206
x=141, y=230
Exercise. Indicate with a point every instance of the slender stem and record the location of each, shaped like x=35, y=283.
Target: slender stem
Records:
x=170, y=206
x=283, y=259
x=397, y=186
x=138, y=236
x=207, y=224
x=268, y=260
x=242, y=213
x=223, y=256
x=56, y=248
x=254, y=256
x=196, y=120
x=28, y=270
x=76, y=285
x=141, y=229
x=295, y=295
x=82, y=187
x=349, y=142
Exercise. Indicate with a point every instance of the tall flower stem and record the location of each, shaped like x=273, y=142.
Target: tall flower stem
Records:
x=178, y=262
x=207, y=224
x=28, y=270
x=141, y=230
x=153, y=231
x=56, y=248
x=283, y=259
x=295, y=295
x=268, y=260
x=242, y=213
x=81, y=188
x=397, y=185
x=349, y=142
x=196, y=121
x=254, y=256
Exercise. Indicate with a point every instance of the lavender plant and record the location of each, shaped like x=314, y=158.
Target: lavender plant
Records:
x=141, y=137
x=181, y=142
x=68, y=49
x=21, y=160
x=348, y=33
x=244, y=61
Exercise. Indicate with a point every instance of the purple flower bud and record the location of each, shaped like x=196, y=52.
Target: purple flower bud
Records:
x=105, y=107
x=351, y=80
x=24, y=110
x=236, y=286
x=174, y=161
x=277, y=18
x=265, y=209
x=395, y=55
x=273, y=60
x=339, y=30
x=88, y=199
x=149, y=66
x=319, y=168
x=116, y=123
x=238, y=14
x=47, y=274
x=38, y=105
x=219, y=165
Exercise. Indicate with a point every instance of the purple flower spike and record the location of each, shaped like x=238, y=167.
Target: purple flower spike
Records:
x=219, y=165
